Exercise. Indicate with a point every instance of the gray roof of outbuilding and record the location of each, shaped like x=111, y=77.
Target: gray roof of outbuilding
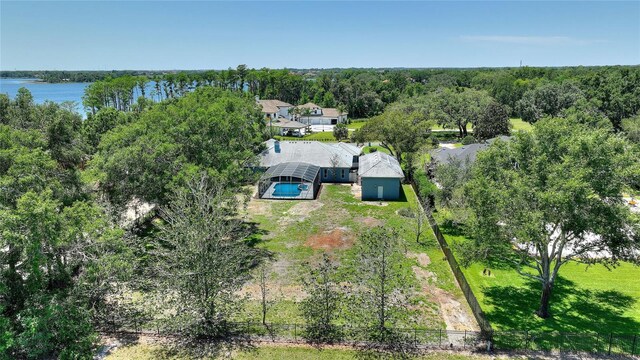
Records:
x=304, y=171
x=312, y=152
x=379, y=165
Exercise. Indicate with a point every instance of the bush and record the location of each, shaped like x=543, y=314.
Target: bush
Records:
x=406, y=212
x=426, y=189
x=468, y=140
x=57, y=327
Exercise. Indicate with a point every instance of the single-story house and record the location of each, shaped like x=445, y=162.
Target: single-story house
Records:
x=380, y=176
x=295, y=170
x=465, y=154
x=338, y=162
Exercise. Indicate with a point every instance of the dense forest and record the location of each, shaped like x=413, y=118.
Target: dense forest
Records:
x=69, y=259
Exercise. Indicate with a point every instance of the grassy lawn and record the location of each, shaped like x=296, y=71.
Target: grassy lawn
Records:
x=518, y=125
x=147, y=351
x=300, y=231
x=356, y=125
x=369, y=149
x=592, y=299
x=323, y=136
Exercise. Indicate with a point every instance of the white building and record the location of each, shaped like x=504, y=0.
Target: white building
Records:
x=276, y=110
x=320, y=116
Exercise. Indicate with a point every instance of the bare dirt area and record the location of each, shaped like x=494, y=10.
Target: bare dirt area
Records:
x=454, y=313
x=371, y=222
x=259, y=207
x=422, y=258
x=339, y=238
x=304, y=208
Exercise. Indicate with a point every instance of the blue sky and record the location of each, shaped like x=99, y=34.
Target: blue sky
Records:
x=216, y=35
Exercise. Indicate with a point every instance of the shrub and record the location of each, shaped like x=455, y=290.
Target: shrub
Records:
x=406, y=212
x=56, y=327
x=468, y=140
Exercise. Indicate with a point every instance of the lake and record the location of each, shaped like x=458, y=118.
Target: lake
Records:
x=42, y=91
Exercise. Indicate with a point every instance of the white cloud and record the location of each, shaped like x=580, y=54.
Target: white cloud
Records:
x=528, y=40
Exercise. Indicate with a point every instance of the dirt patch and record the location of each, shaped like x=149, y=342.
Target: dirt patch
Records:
x=259, y=207
x=356, y=190
x=423, y=259
x=454, y=314
x=339, y=238
x=372, y=222
x=304, y=208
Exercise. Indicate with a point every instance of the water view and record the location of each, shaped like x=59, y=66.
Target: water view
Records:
x=41, y=91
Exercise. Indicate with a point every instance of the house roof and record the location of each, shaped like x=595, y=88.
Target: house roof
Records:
x=304, y=171
x=309, y=105
x=312, y=152
x=272, y=106
x=379, y=165
x=464, y=153
x=331, y=112
x=289, y=124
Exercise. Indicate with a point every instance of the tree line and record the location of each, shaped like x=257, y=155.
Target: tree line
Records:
x=611, y=90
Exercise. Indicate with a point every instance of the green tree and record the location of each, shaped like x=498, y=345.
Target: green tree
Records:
x=552, y=196
x=202, y=258
x=549, y=99
x=493, y=122
x=340, y=132
x=380, y=297
x=402, y=131
x=631, y=128
x=321, y=308
x=208, y=130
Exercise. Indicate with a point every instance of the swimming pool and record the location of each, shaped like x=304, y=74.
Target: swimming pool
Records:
x=289, y=190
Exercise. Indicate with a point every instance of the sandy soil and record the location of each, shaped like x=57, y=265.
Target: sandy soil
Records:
x=339, y=238
x=455, y=315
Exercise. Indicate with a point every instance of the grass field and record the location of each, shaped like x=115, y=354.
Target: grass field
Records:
x=369, y=149
x=299, y=231
x=265, y=352
x=592, y=299
x=519, y=125
x=356, y=125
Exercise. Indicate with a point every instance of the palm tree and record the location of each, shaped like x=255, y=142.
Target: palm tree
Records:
x=342, y=109
x=307, y=112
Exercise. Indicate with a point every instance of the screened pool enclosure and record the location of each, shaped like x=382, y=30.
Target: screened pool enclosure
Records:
x=292, y=180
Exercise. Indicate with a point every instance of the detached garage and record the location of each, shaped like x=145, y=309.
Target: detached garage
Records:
x=380, y=176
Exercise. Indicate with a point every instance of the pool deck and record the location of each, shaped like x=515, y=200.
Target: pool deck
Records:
x=304, y=194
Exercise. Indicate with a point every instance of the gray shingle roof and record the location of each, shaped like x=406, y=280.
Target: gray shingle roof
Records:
x=464, y=153
x=312, y=152
x=379, y=165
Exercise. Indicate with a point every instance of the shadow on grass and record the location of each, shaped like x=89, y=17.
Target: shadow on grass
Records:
x=573, y=309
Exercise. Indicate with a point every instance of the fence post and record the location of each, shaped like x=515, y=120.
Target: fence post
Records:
x=633, y=347
x=295, y=332
x=610, y=341
x=464, y=341
x=440, y=338
x=415, y=336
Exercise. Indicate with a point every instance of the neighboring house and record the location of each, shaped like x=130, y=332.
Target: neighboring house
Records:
x=338, y=162
x=274, y=109
x=380, y=175
x=320, y=116
x=465, y=154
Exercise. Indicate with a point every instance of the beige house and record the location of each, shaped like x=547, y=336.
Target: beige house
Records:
x=279, y=111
